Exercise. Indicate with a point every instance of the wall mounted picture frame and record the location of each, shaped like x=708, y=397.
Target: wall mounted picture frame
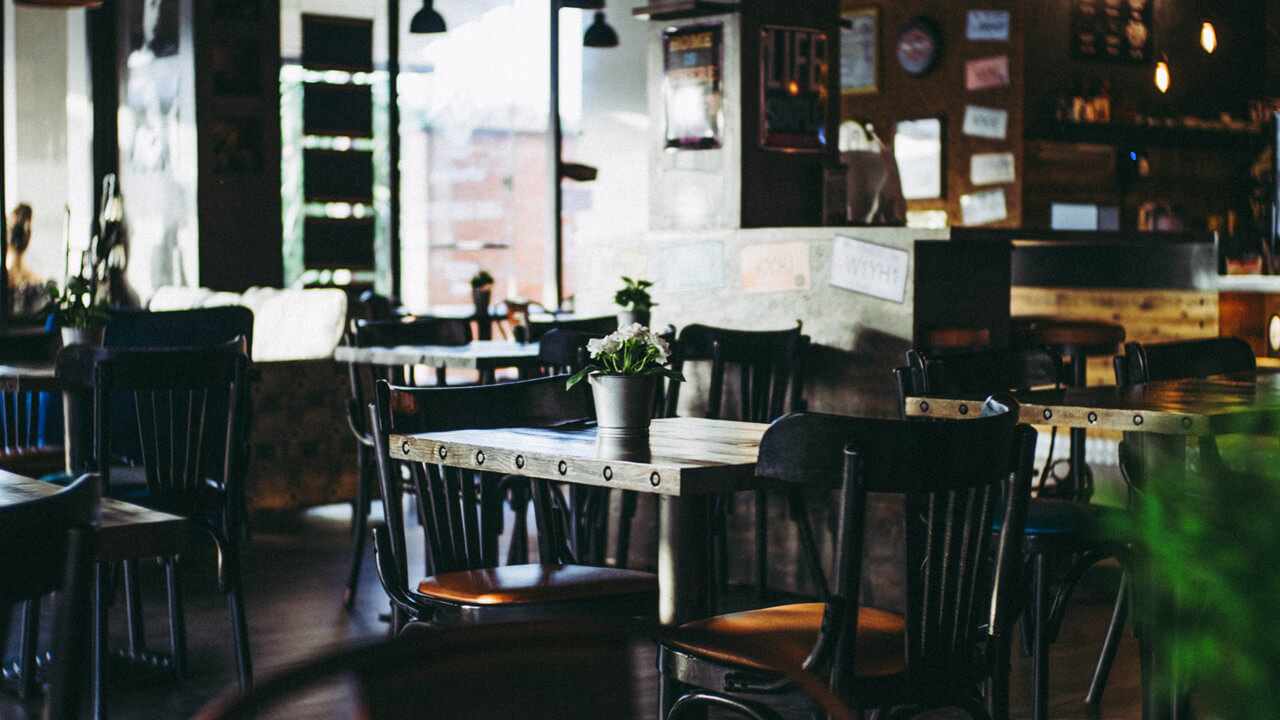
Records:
x=919, y=47
x=692, y=58
x=860, y=51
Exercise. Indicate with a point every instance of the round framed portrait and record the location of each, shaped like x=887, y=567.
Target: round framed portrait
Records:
x=920, y=45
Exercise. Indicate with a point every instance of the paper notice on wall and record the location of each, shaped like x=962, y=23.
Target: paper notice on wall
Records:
x=869, y=269
x=696, y=266
x=991, y=168
x=986, y=73
x=987, y=25
x=983, y=207
x=985, y=122
x=775, y=267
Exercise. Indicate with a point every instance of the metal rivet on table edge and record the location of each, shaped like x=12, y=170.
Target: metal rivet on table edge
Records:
x=563, y=467
x=1186, y=422
x=1048, y=414
x=442, y=451
x=520, y=461
x=1137, y=419
x=964, y=409
x=655, y=479
x=1093, y=417
x=404, y=447
x=479, y=457
x=608, y=473
x=924, y=406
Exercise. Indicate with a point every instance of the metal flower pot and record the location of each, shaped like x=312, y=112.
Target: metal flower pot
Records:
x=82, y=336
x=624, y=404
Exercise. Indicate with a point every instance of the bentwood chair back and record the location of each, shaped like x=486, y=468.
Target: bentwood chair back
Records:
x=30, y=421
x=48, y=544
x=953, y=476
x=768, y=365
x=411, y=330
x=597, y=326
x=190, y=449
x=461, y=515
x=1183, y=359
x=1060, y=535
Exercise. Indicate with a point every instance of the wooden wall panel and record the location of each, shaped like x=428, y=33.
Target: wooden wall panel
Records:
x=902, y=96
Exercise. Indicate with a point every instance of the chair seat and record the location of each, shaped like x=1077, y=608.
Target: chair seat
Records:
x=33, y=461
x=535, y=582
x=789, y=633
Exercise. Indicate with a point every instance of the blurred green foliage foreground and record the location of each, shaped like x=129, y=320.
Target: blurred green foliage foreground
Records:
x=1212, y=548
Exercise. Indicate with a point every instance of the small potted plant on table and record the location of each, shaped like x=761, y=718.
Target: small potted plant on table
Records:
x=481, y=292
x=80, y=318
x=624, y=371
x=635, y=301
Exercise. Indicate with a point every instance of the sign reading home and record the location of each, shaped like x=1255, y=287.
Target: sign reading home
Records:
x=869, y=269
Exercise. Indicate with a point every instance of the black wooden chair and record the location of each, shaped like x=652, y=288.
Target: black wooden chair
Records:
x=954, y=476
x=597, y=326
x=362, y=376
x=461, y=510
x=30, y=422
x=770, y=375
x=188, y=445
x=48, y=545
x=1061, y=536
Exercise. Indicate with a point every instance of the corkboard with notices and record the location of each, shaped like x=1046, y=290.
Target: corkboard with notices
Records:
x=1111, y=30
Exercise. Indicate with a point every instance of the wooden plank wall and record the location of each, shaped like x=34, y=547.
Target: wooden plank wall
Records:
x=1148, y=316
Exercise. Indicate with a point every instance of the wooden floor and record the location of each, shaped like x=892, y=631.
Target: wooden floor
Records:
x=294, y=576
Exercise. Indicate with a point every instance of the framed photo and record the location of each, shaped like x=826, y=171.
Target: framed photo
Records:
x=859, y=50
x=692, y=98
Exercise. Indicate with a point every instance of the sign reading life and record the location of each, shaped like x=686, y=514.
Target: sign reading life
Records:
x=793, y=79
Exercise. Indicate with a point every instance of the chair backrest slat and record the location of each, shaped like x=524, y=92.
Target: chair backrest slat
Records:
x=768, y=362
x=460, y=530
x=1202, y=357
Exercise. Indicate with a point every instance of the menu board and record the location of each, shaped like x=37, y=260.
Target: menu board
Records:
x=1113, y=30
x=691, y=86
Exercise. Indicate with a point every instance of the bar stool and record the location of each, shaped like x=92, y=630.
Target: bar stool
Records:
x=1076, y=341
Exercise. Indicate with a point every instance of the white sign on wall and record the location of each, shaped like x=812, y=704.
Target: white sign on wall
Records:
x=696, y=266
x=869, y=269
x=987, y=25
x=985, y=122
x=991, y=168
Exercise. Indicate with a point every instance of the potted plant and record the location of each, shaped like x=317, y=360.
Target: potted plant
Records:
x=80, y=318
x=481, y=291
x=635, y=301
x=624, y=371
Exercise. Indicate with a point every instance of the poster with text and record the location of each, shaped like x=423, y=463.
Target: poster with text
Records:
x=691, y=86
x=793, y=82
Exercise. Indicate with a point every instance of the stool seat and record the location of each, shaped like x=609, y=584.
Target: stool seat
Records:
x=1070, y=337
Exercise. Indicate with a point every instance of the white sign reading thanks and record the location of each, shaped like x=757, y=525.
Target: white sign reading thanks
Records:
x=869, y=269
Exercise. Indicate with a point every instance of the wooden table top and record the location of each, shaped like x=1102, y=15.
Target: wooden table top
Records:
x=127, y=531
x=476, y=355
x=24, y=377
x=1238, y=403
x=683, y=456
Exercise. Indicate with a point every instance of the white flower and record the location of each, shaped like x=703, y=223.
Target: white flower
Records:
x=607, y=345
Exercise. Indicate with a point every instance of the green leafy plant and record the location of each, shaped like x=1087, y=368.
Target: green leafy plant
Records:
x=74, y=306
x=481, y=280
x=1208, y=546
x=633, y=350
x=635, y=295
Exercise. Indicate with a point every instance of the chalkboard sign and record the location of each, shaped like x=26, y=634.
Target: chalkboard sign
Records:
x=1112, y=30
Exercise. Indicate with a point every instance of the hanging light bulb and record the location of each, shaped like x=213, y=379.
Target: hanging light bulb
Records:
x=1162, y=75
x=1208, y=37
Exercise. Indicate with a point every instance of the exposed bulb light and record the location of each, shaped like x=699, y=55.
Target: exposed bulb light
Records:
x=600, y=34
x=1162, y=76
x=1208, y=37
x=426, y=20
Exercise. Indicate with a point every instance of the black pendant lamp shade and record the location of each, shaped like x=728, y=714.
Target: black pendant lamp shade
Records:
x=600, y=34
x=426, y=20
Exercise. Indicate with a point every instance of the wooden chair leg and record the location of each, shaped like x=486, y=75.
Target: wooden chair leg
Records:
x=626, y=515
x=177, y=620
x=244, y=666
x=27, y=647
x=359, y=522
x=1039, y=638
x=1110, y=645
x=133, y=603
x=98, y=703
x=762, y=544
